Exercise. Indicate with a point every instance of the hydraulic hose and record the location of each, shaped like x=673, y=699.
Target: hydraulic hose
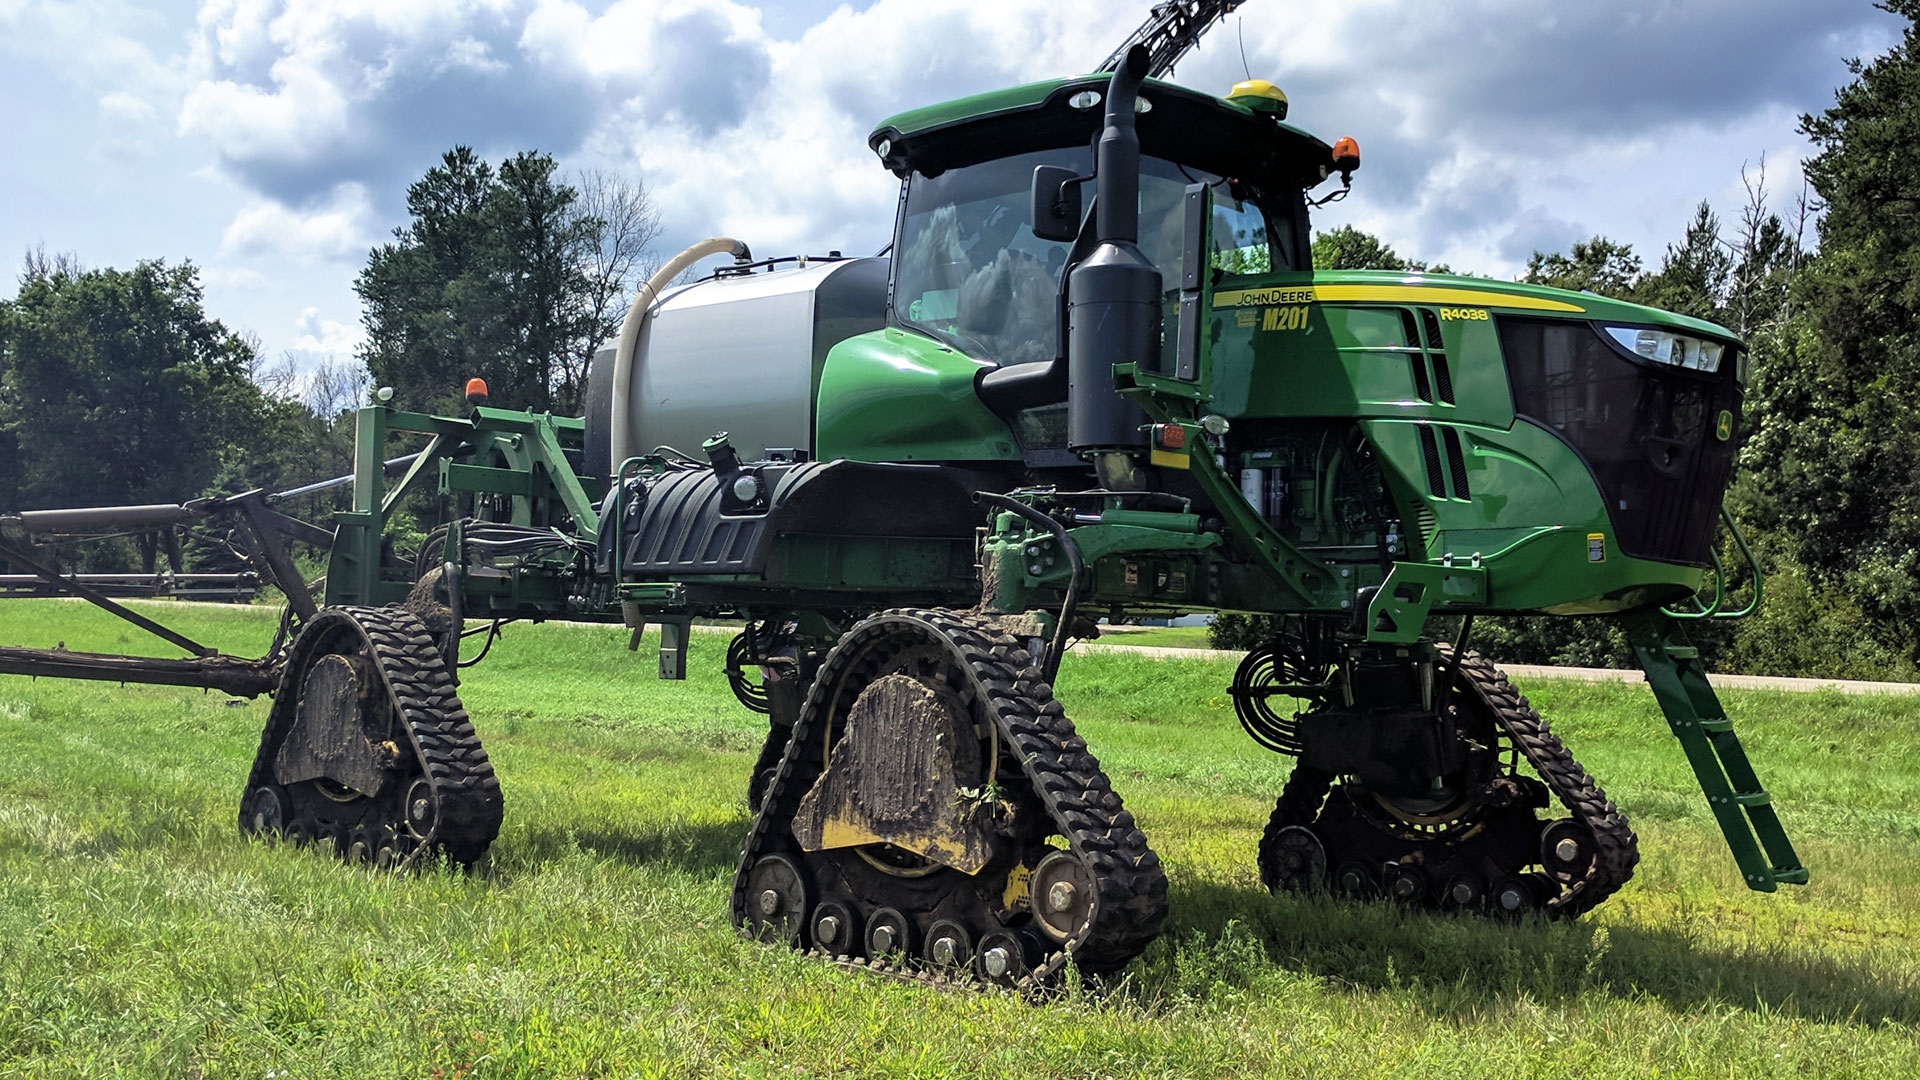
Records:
x=637, y=315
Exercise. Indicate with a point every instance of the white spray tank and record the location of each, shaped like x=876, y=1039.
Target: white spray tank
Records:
x=740, y=352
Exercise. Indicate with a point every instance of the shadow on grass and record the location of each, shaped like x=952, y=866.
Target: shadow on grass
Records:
x=1469, y=965
x=698, y=848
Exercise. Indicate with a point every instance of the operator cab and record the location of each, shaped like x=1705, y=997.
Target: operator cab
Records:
x=969, y=271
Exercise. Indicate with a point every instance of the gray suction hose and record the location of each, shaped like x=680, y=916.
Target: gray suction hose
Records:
x=643, y=301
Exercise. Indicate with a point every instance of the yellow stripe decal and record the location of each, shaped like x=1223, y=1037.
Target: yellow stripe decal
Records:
x=1168, y=459
x=1387, y=294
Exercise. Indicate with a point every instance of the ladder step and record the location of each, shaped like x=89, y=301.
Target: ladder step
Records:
x=1693, y=710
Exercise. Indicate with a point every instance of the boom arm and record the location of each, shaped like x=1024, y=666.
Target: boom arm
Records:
x=1171, y=29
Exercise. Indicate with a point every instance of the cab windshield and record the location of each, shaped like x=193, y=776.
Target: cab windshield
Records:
x=969, y=271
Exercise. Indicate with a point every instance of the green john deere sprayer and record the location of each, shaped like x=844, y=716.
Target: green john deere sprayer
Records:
x=1096, y=377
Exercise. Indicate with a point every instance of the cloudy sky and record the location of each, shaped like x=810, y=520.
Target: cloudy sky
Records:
x=271, y=141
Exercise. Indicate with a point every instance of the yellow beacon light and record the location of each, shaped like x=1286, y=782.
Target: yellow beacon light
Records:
x=1260, y=96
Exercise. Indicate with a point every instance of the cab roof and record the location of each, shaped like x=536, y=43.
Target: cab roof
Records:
x=1182, y=125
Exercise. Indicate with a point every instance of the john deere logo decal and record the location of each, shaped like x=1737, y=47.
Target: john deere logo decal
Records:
x=1723, y=428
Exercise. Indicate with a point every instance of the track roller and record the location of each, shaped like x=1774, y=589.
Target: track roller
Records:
x=891, y=933
x=949, y=944
x=836, y=928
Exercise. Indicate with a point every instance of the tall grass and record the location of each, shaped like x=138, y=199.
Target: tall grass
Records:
x=141, y=936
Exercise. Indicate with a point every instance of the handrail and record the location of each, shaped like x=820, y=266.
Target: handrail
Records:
x=610, y=525
x=1712, y=611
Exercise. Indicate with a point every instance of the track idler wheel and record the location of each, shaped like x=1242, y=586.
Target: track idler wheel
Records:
x=267, y=812
x=1566, y=850
x=778, y=888
x=423, y=810
x=1299, y=861
x=1061, y=895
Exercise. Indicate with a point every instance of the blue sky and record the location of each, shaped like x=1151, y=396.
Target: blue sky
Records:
x=271, y=141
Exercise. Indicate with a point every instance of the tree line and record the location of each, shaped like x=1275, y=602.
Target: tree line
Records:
x=117, y=387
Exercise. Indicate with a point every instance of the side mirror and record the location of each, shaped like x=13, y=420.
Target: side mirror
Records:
x=1056, y=203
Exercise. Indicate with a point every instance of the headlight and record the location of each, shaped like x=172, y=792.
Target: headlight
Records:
x=1663, y=347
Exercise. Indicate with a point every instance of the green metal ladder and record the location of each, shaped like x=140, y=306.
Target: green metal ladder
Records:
x=1743, y=808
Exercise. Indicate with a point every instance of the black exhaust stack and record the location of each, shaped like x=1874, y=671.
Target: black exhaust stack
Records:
x=1113, y=296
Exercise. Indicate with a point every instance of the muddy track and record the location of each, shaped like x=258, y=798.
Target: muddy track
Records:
x=1058, y=772
x=463, y=807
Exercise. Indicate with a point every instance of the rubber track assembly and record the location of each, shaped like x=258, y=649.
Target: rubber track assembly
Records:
x=1606, y=846
x=432, y=790
x=1616, y=849
x=1061, y=795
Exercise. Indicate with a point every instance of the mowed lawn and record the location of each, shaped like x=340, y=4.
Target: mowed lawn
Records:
x=140, y=935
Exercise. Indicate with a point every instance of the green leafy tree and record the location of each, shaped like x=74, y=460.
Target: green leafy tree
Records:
x=1836, y=394
x=1348, y=248
x=1693, y=277
x=1598, y=266
x=505, y=274
x=117, y=386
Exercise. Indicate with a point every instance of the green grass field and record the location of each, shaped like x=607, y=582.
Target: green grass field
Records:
x=140, y=935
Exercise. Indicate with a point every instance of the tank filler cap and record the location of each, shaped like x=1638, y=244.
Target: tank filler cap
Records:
x=1260, y=96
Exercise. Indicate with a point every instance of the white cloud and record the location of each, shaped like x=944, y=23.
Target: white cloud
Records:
x=473, y=55
x=126, y=108
x=323, y=338
x=126, y=134
x=1490, y=126
x=340, y=229
x=298, y=120
x=232, y=279
x=95, y=45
